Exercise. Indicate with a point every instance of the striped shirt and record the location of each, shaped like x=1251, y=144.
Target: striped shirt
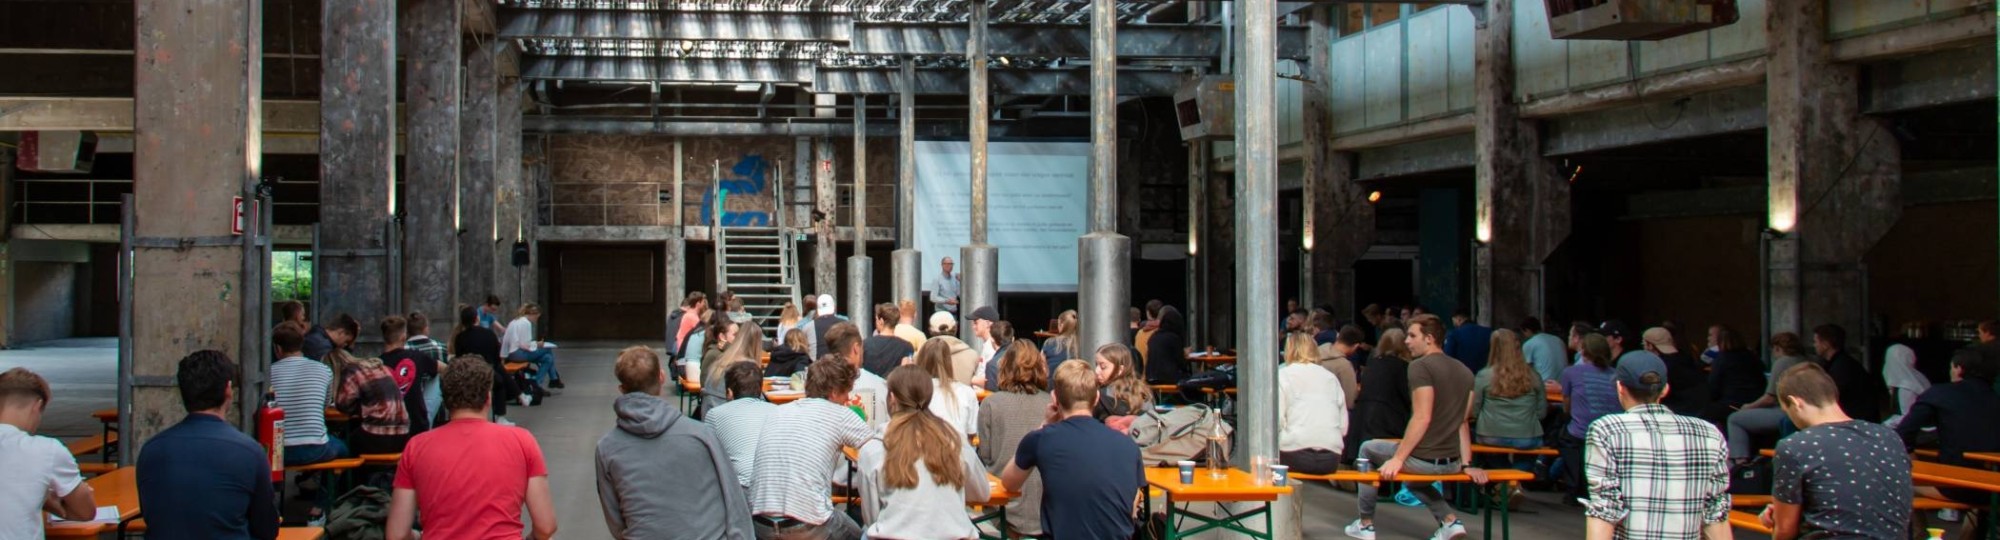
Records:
x=796, y=454
x=738, y=423
x=302, y=385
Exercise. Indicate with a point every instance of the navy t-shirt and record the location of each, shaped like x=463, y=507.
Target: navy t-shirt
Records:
x=1090, y=477
x=204, y=479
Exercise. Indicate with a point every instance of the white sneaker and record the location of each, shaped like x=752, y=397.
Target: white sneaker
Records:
x=1363, y=532
x=1450, y=531
x=502, y=420
x=527, y=399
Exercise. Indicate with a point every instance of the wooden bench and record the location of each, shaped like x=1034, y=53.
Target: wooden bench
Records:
x=513, y=367
x=1505, y=451
x=1989, y=458
x=381, y=459
x=1918, y=503
x=301, y=533
x=93, y=444
x=1507, y=479
x=336, y=465
x=1747, y=521
x=96, y=468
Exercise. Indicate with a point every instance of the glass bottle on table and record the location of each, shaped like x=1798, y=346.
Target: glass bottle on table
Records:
x=1218, y=451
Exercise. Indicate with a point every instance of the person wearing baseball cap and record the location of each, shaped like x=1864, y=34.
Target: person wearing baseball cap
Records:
x=1679, y=463
x=1687, y=378
x=982, y=319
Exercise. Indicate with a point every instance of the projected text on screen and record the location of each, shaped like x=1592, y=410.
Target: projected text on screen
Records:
x=1037, y=205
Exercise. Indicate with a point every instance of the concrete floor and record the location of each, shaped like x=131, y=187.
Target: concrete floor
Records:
x=82, y=377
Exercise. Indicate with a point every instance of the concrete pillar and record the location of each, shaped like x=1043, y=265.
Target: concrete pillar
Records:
x=1104, y=257
x=675, y=254
x=860, y=269
x=1835, y=179
x=196, y=85
x=826, y=272
x=1521, y=203
x=906, y=264
x=534, y=150
x=477, y=123
x=430, y=35
x=1257, y=241
x=1218, y=260
x=357, y=160
x=980, y=280
x=510, y=213
x=1339, y=220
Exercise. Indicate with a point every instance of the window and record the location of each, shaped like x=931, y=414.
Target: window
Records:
x=291, y=276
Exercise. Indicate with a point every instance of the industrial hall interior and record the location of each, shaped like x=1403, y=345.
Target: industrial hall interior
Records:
x=999, y=269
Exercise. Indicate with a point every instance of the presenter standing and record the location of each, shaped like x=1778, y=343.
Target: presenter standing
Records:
x=944, y=291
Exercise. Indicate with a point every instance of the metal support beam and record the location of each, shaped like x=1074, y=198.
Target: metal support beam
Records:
x=981, y=281
x=432, y=43
x=748, y=127
x=662, y=70
x=906, y=264
x=357, y=160
x=860, y=269
x=1013, y=82
x=1257, y=237
x=674, y=25
x=477, y=230
x=36, y=113
x=1009, y=39
x=1104, y=257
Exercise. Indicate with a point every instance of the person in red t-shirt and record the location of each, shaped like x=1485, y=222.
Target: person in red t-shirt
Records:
x=470, y=476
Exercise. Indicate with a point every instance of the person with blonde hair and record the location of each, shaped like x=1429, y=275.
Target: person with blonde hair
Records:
x=1312, y=410
x=955, y=402
x=1064, y=346
x=743, y=346
x=792, y=354
x=916, y=480
x=1019, y=407
x=518, y=343
x=1120, y=390
x=1092, y=475
x=788, y=318
x=906, y=324
x=1508, y=399
x=659, y=473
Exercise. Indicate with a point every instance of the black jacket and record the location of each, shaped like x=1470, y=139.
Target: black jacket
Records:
x=1166, y=350
x=785, y=362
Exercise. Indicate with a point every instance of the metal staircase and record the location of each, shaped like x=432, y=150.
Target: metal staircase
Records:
x=759, y=264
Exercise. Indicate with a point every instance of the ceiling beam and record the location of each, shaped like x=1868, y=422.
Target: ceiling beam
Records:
x=689, y=70
x=1018, y=82
x=674, y=25
x=31, y=113
x=795, y=127
x=1134, y=41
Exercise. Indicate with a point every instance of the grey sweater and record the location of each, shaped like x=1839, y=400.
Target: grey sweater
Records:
x=1004, y=418
x=663, y=475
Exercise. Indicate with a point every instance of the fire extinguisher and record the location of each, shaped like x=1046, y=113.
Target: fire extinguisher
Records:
x=271, y=434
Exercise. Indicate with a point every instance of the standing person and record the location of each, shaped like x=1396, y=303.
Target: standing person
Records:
x=203, y=478
x=40, y=473
x=471, y=477
x=1120, y=391
x=1468, y=341
x=1544, y=351
x=1383, y=409
x=421, y=342
x=1312, y=410
x=338, y=334
x=659, y=473
x=906, y=324
x=954, y=402
x=884, y=350
x=824, y=321
x=302, y=387
x=1007, y=416
x=1437, y=439
x=1735, y=377
x=1064, y=346
x=1838, y=477
x=1167, y=350
x=871, y=392
x=1899, y=372
x=1092, y=475
x=738, y=422
x=1508, y=399
x=1861, y=390
x=1684, y=373
x=944, y=288
x=1963, y=413
x=1653, y=473
x=476, y=342
x=792, y=484
x=1761, y=418
x=1334, y=357
x=519, y=344
x=692, y=310
x=368, y=394
x=1588, y=394
x=791, y=355
x=409, y=368
x=916, y=480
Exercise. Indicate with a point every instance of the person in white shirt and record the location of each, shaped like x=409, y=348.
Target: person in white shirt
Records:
x=1312, y=410
x=955, y=402
x=916, y=480
x=871, y=391
x=303, y=387
x=944, y=291
x=798, y=450
x=40, y=473
x=519, y=344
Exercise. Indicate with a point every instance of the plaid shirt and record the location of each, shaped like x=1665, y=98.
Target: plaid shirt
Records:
x=430, y=347
x=1655, y=474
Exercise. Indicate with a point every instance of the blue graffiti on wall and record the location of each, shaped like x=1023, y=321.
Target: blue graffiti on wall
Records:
x=744, y=178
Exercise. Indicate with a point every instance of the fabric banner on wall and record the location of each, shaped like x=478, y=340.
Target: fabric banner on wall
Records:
x=1038, y=197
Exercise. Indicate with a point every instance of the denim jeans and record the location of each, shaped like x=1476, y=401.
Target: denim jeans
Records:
x=307, y=454
x=1379, y=452
x=545, y=363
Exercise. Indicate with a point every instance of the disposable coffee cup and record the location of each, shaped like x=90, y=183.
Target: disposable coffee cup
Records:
x=1281, y=475
x=1187, y=472
x=1363, y=465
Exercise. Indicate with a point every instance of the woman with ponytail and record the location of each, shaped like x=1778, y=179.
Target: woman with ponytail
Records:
x=916, y=481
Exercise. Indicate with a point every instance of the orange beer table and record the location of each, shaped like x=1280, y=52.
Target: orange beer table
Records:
x=1938, y=474
x=1234, y=486
x=118, y=488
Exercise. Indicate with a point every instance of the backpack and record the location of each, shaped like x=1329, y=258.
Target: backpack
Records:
x=1177, y=435
x=673, y=330
x=361, y=514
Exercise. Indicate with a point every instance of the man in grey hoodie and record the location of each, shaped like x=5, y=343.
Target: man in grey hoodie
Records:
x=661, y=474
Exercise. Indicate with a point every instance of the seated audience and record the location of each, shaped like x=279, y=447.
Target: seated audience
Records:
x=1588, y=394
x=1862, y=392
x=1838, y=477
x=1383, y=409
x=409, y=368
x=1905, y=383
x=1120, y=392
x=40, y=475
x=791, y=356
x=1334, y=357
x=1543, y=350
x=1166, y=356
x=1000, y=339
x=1735, y=378
x=302, y=386
x=474, y=341
x=1312, y=410
x=1091, y=475
x=722, y=333
x=1468, y=341
x=1508, y=399
x=436, y=353
x=1684, y=373
x=1963, y=413
x=792, y=482
x=916, y=480
x=954, y=402
x=469, y=477
x=1064, y=345
x=519, y=344
x=338, y=334
x=738, y=422
x=906, y=324
x=661, y=474
x=1761, y=418
x=744, y=346
x=1433, y=442
x=368, y=395
x=871, y=392
x=1653, y=473
x=203, y=478
x=1021, y=405
x=694, y=310
x=883, y=351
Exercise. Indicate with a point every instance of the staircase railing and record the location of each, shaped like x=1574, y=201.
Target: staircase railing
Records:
x=715, y=229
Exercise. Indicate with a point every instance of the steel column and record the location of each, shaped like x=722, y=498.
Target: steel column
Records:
x=826, y=276
x=1257, y=234
x=906, y=264
x=430, y=32
x=1104, y=256
x=981, y=277
x=860, y=270
x=510, y=211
